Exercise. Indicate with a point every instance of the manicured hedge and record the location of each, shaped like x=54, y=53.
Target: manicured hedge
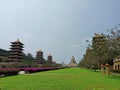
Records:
x=32, y=70
x=116, y=71
x=15, y=71
x=8, y=71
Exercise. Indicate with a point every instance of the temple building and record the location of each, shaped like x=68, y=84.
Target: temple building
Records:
x=99, y=48
x=16, y=54
x=49, y=60
x=116, y=64
x=88, y=51
x=39, y=58
x=73, y=62
x=98, y=40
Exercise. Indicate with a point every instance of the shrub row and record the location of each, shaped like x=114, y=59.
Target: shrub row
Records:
x=32, y=70
x=15, y=71
x=116, y=71
x=8, y=71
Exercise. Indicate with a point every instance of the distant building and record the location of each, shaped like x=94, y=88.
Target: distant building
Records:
x=98, y=40
x=63, y=64
x=72, y=62
x=88, y=51
x=98, y=45
x=116, y=64
x=39, y=58
x=49, y=60
x=16, y=54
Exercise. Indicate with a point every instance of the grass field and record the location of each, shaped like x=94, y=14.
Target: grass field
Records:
x=63, y=79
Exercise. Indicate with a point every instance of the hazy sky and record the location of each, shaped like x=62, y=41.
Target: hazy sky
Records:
x=57, y=27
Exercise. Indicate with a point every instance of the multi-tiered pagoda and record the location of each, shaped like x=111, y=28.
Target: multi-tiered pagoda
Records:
x=98, y=40
x=16, y=54
x=49, y=60
x=39, y=58
x=72, y=62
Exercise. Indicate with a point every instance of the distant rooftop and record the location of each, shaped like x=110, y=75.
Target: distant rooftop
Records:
x=116, y=60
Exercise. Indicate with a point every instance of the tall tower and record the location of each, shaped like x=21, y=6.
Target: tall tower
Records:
x=16, y=54
x=39, y=57
x=49, y=60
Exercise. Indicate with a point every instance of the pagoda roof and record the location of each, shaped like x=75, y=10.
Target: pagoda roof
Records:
x=98, y=35
x=39, y=50
x=18, y=41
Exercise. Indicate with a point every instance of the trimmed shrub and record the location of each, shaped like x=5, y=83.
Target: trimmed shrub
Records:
x=8, y=71
x=32, y=70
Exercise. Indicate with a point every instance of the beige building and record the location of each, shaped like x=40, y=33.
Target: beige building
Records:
x=116, y=65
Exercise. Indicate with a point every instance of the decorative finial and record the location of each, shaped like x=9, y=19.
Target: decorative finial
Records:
x=18, y=40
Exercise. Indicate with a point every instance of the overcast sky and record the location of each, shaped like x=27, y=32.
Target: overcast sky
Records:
x=57, y=27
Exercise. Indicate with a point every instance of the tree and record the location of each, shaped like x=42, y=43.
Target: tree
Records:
x=98, y=53
x=105, y=47
x=28, y=57
x=113, y=37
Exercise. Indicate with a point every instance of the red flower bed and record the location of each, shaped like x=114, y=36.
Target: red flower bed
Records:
x=32, y=70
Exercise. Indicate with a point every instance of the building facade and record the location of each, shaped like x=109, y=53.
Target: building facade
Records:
x=116, y=64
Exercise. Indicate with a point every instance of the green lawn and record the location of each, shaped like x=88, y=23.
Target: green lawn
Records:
x=63, y=79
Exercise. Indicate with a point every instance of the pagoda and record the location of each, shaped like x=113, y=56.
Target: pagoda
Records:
x=39, y=57
x=16, y=54
x=73, y=62
x=98, y=40
x=49, y=60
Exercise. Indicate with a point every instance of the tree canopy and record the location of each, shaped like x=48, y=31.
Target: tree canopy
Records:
x=104, y=48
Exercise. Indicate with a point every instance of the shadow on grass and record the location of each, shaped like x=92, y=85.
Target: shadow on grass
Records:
x=114, y=77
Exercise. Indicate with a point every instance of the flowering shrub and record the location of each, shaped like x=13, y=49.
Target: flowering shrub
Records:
x=31, y=70
x=14, y=71
x=8, y=71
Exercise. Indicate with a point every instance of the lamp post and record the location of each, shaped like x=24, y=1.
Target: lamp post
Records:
x=102, y=69
x=107, y=69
